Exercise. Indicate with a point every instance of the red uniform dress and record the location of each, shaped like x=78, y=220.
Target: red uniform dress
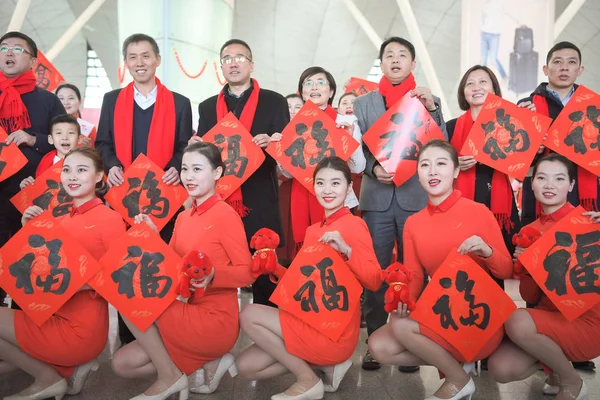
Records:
x=77, y=332
x=432, y=233
x=578, y=339
x=304, y=341
x=204, y=329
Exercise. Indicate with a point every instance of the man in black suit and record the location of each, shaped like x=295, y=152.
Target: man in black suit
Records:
x=260, y=193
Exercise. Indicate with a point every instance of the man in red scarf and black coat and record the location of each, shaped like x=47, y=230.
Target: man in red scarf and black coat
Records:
x=386, y=207
x=263, y=112
x=25, y=115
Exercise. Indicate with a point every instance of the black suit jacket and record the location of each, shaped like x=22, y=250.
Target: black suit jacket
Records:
x=261, y=191
x=105, y=138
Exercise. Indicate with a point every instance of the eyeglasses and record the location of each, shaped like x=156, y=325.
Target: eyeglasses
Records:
x=318, y=82
x=15, y=49
x=240, y=58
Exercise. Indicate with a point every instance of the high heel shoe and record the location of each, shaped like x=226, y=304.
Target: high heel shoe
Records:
x=339, y=371
x=583, y=392
x=550, y=389
x=80, y=375
x=472, y=368
x=57, y=391
x=226, y=363
x=181, y=387
x=314, y=393
x=465, y=393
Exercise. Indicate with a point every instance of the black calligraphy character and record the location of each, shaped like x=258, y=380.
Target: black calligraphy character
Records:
x=43, y=200
x=123, y=277
x=296, y=149
x=2, y=162
x=334, y=297
x=557, y=263
x=158, y=207
x=41, y=71
x=464, y=284
x=150, y=281
x=575, y=137
x=411, y=152
x=491, y=146
x=235, y=164
x=442, y=307
x=65, y=202
x=309, y=302
x=593, y=114
x=583, y=276
x=391, y=136
x=319, y=134
x=519, y=139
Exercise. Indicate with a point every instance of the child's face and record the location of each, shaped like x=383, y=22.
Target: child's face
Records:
x=346, y=105
x=64, y=137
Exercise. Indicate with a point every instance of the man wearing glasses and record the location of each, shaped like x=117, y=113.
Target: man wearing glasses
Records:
x=25, y=114
x=263, y=112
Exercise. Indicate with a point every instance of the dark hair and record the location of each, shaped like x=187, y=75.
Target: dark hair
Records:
x=561, y=46
x=334, y=163
x=318, y=70
x=555, y=157
x=294, y=96
x=345, y=95
x=462, y=101
x=30, y=43
x=67, y=119
x=208, y=150
x=92, y=154
x=69, y=86
x=236, y=41
x=399, y=40
x=441, y=144
x=140, y=37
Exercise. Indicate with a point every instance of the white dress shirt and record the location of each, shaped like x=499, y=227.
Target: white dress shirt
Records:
x=145, y=102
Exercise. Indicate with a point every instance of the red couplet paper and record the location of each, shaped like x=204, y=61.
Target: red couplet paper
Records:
x=576, y=131
x=396, y=138
x=506, y=137
x=311, y=136
x=144, y=192
x=46, y=74
x=42, y=266
x=47, y=193
x=240, y=155
x=139, y=276
x=320, y=289
x=11, y=158
x=563, y=262
x=360, y=86
x=463, y=304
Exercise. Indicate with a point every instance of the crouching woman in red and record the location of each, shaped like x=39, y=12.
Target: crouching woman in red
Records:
x=284, y=343
x=195, y=336
x=542, y=333
x=76, y=334
x=448, y=223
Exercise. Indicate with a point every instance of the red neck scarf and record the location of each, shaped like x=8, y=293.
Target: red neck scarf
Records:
x=501, y=196
x=87, y=206
x=557, y=215
x=342, y=212
x=446, y=204
x=161, y=138
x=393, y=93
x=46, y=162
x=587, y=183
x=236, y=199
x=13, y=113
x=206, y=205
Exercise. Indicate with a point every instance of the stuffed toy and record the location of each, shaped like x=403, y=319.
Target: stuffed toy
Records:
x=398, y=278
x=195, y=267
x=525, y=238
x=264, y=260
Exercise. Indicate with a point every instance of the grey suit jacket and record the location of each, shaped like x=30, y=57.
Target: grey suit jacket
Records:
x=377, y=196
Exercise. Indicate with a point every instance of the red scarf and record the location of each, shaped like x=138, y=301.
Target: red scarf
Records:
x=46, y=162
x=501, y=196
x=393, y=93
x=236, y=199
x=587, y=183
x=161, y=138
x=306, y=209
x=13, y=113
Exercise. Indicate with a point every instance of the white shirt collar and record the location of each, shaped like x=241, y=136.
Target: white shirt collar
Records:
x=145, y=101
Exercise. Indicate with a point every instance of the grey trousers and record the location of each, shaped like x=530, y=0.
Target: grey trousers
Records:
x=386, y=228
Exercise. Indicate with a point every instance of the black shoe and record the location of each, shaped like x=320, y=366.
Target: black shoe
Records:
x=409, y=369
x=369, y=363
x=584, y=365
x=247, y=289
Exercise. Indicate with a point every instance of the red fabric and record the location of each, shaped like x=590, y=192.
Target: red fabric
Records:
x=330, y=111
x=393, y=93
x=88, y=205
x=161, y=138
x=336, y=215
x=206, y=205
x=46, y=162
x=13, y=113
x=236, y=199
x=587, y=183
x=446, y=204
x=557, y=215
x=502, y=196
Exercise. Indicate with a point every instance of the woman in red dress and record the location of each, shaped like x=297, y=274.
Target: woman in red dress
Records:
x=76, y=334
x=457, y=223
x=542, y=333
x=284, y=343
x=197, y=335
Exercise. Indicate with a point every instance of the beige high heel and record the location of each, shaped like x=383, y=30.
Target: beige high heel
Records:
x=226, y=364
x=181, y=387
x=57, y=390
x=80, y=375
